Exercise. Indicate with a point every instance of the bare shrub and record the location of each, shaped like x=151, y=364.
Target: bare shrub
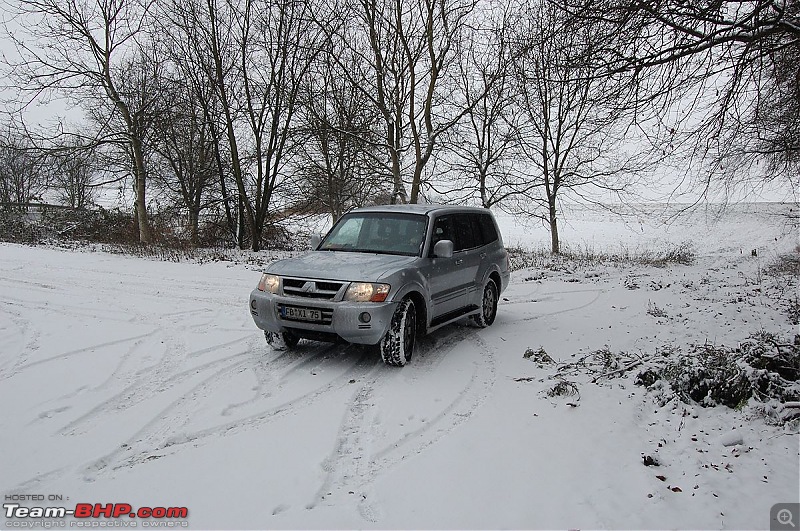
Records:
x=763, y=367
x=783, y=276
x=539, y=356
x=787, y=265
x=710, y=376
x=655, y=311
x=15, y=227
x=563, y=388
x=573, y=258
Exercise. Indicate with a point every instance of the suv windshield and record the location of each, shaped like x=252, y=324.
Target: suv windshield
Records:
x=377, y=232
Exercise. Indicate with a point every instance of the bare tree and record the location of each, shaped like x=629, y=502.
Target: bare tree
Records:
x=186, y=165
x=338, y=163
x=574, y=126
x=275, y=64
x=485, y=142
x=261, y=53
x=83, y=49
x=777, y=118
x=197, y=43
x=368, y=34
x=186, y=147
x=22, y=176
x=445, y=23
x=73, y=179
x=406, y=57
x=760, y=132
x=730, y=65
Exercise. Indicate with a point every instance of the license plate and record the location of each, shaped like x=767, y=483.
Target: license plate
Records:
x=301, y=314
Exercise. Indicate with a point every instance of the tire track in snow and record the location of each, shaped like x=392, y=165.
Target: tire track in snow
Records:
x=289, y=362
x=597, y=294
x=141, y=389
x=105, y=314
x=458, y=411
x=110, y=308
x=143, y=385
x=348, y=462
x=152, y=380
x=144, y=444
x=27, y=283
x=354, y=465
x=146, y=382
x=159, y=436
x=433, y=348
x=10, y=357
x=64, y=355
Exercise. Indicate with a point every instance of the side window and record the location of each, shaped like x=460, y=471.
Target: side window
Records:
x=442, y=230
x=465, y=237
x=488, y=230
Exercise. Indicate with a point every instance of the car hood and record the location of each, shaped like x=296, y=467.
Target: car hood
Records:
x=337, y=265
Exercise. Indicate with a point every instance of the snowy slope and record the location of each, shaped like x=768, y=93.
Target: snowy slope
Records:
x=133, y=381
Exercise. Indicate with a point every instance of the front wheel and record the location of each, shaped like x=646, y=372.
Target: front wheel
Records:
x=281, y=341
x=488, y=305
x=397, y=345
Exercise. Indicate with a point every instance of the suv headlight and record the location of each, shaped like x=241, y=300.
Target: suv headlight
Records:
x=367, y=292
x=269, y=283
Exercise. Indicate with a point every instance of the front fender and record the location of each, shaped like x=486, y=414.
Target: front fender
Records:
x=418, y=285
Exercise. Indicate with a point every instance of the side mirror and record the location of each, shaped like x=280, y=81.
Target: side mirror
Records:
x=443, y=249
x=316, y=239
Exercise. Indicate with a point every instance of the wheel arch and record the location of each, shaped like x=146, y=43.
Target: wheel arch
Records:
x=495, y=275
x=415, y=291
x=421, y=308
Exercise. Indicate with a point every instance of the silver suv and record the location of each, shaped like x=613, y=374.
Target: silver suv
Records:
x=384, y=274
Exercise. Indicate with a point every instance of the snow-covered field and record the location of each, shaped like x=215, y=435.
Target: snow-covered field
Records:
x=125, y=380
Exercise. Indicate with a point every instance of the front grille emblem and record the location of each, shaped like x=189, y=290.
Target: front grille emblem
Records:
x=308, y=287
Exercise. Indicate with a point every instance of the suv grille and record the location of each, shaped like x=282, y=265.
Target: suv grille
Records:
x=311, y=289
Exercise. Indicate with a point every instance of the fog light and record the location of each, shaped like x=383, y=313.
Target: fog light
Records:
x=365, y=317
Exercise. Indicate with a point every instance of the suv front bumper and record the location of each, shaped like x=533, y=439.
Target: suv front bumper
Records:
x=341, y=318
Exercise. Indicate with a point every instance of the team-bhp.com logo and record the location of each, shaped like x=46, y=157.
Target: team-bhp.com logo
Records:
x=87, y=515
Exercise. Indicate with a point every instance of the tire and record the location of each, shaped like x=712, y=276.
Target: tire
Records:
x=281, y=341
x=488, y=305
x=397, y=345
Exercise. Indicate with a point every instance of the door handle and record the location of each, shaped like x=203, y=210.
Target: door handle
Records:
x=459, y=261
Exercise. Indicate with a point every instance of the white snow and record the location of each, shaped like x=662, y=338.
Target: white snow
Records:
x=125, y=380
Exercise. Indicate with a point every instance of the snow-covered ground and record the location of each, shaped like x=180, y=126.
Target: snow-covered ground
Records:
x=125, y=380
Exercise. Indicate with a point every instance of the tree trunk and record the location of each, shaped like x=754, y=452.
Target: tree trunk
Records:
x=415, y=183
x=255, y=233
x=145, y=235
x=240, y=224
x=484, y=198
x=554, y=244
x=399, y=192
x=194, y=222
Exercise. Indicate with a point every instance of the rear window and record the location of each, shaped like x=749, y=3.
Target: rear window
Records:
x=487, y=229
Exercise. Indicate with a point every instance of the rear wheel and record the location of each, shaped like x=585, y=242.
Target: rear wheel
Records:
x=488, y=305
x=397, y=345
x=281, y=341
